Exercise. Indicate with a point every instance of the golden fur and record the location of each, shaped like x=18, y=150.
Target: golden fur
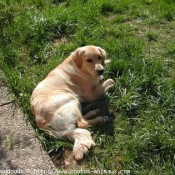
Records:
x=56, y=100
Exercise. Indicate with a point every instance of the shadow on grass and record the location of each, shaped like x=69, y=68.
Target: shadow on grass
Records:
x=103, y=105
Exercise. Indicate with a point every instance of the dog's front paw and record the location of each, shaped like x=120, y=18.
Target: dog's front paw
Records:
x=110, y=81
x=108, y=84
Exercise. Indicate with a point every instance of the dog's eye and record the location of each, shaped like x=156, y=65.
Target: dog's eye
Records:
x=89, y=60
x=99, y=58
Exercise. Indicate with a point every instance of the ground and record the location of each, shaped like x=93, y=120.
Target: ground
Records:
x=138, y=36
x=20, y=152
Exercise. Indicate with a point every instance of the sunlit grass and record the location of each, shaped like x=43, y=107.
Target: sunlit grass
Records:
x=138, y=37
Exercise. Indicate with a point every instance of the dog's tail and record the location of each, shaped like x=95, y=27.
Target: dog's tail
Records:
x=82, y=140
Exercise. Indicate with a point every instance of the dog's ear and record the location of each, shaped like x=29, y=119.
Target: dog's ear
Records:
x=103, y=54
x=77, y=56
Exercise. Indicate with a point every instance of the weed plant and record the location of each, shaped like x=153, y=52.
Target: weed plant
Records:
x=138, y=35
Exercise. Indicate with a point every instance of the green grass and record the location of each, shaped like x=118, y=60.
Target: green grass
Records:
x=138, y=36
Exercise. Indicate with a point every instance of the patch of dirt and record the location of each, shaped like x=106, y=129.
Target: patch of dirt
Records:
x=20, y=150
x=57, y=42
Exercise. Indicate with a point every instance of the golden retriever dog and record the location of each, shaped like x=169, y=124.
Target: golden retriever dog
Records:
x=56, y=101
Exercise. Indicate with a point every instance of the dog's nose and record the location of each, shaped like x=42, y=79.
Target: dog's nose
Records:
x=100, y=72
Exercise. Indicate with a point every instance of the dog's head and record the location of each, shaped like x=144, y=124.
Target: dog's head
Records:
x=90, y=60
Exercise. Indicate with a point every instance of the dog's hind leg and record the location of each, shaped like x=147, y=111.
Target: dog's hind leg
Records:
x=82, y=140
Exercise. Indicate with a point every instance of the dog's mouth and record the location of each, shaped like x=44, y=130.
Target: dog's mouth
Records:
x=97, y=73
